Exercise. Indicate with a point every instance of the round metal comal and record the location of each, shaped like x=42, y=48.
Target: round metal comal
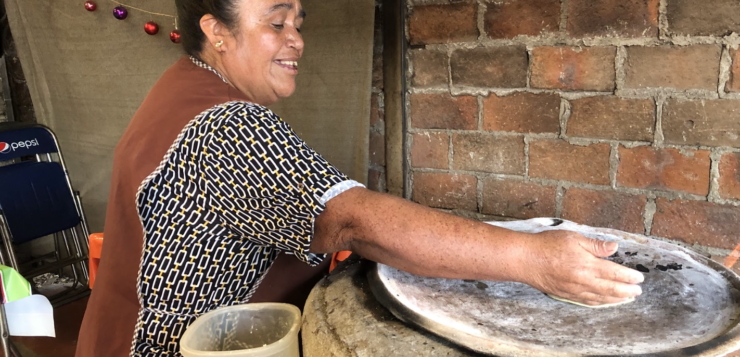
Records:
x=689, y=306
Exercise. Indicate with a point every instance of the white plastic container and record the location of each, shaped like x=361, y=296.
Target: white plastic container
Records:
x=249, y=330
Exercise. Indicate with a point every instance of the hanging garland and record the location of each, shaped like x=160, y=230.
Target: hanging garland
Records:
x=120, y=12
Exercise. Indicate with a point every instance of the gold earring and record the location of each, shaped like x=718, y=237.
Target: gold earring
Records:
x=219, y=44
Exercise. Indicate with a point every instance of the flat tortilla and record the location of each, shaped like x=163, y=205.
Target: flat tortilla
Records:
x=592, y=306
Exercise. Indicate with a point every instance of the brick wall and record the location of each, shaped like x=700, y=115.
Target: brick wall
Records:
x=622, y=114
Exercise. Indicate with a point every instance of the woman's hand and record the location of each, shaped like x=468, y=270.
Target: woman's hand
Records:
x=569, y=265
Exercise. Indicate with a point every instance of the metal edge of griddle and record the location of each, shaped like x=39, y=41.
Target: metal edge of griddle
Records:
x=725, y=343
x=457, y=337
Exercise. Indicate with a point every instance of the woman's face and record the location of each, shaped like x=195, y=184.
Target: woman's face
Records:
x=262, y=57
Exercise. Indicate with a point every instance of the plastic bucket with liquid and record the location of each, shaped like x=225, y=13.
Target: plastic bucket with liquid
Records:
x=261, y=329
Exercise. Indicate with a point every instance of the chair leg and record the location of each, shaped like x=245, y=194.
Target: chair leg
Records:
x=8, y=243
x=4, y=332
x=2, y=253
x=69, y=254
x=56, y=251
x=80, y=253
x=13, y=350
x=85, y=226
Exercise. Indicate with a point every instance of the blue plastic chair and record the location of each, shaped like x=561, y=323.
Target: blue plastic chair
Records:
x=37, y=200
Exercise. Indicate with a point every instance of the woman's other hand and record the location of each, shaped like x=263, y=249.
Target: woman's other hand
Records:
x=569, y=265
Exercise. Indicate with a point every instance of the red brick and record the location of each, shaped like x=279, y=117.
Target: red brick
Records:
x=613, y=18
x=375, y=180
x=377, y=115
x=664, y=169
x=517, y=199
x=486, y=153
x=688, y=67
x=501, y=67
x=587, y=68
x=702, y=122
x=559, y=160
x=522, y=17
x=430, y=150
x=444, y=190
x=605, y=209
x=612, y=118
x=430, y=68
x=703, y=18
x=733, y=85
x=697, y=222
x=377, y=75
x=377, y=148
x=729, y=176
x=522, y=113
x=432, y=24
x=442, y=111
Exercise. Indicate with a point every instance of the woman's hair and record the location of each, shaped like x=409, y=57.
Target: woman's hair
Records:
x=189, y=13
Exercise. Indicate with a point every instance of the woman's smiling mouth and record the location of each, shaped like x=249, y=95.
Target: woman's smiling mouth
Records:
x=288, y=64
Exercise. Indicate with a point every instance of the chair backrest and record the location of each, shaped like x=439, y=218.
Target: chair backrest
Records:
x=35, y=200
x=20, y=140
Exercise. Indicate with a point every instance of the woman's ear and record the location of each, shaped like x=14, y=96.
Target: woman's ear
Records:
x=215, y=32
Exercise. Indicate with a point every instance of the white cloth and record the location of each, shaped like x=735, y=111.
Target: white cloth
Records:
x=30, y=316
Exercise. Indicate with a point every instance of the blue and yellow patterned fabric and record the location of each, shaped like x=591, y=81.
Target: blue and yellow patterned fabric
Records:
x=237, y=187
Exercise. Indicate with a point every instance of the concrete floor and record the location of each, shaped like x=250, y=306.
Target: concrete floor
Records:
x=67, y=321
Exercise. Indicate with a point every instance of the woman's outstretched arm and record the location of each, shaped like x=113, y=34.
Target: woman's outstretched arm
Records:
x=428, y=242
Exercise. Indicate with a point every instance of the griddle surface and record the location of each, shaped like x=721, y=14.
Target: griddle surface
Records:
x=687, y=300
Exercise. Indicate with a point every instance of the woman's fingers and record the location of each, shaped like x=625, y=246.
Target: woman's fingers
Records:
x=599, y=292
x=612, y=271
x=606, y=269
x=592, y=299
x=609, y=279
x=614, y=289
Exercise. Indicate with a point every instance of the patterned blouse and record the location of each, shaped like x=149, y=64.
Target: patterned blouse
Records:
x=236, y=188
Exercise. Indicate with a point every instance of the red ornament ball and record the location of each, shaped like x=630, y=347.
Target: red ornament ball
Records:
x=175, y=36
x=90, y=5
x=151, y=28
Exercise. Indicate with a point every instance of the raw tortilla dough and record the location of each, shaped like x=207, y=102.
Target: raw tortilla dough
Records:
x=592, y=306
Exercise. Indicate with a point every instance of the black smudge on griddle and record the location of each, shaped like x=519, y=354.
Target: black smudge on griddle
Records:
x=674, y=266
x=642, y=268
x=481, y=286
x=671, y=266
x=469, y=281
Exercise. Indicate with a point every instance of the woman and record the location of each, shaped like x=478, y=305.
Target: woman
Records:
x=222, y=185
